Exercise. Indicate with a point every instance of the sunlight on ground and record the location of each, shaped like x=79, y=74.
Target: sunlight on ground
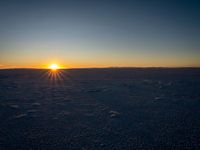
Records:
x=55, y=73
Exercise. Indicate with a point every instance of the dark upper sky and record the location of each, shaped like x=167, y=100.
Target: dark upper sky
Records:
x=81, y=33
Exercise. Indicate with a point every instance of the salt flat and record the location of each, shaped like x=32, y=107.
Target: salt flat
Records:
x=152, y=108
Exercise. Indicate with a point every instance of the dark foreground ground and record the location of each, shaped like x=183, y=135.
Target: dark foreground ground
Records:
x=100, y=109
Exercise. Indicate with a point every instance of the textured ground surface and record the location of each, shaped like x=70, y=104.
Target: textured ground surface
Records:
x=100, y=109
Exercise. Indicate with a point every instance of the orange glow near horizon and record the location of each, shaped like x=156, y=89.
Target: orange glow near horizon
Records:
x=60, y=64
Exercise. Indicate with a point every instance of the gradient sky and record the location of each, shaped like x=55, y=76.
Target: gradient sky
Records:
x=104, y=33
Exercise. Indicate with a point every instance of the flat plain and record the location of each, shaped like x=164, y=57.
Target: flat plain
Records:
x=115, y=108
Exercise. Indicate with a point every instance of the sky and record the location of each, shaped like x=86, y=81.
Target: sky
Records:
x=99, y=33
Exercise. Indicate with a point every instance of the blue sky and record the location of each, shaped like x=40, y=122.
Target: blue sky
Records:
x=104, y=33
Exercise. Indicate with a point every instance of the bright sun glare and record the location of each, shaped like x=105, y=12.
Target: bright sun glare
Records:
x=54, y=67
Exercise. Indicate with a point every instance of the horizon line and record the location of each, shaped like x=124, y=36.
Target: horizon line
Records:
x=29, y=68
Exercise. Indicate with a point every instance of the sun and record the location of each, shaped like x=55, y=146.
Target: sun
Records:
x=54, y=67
